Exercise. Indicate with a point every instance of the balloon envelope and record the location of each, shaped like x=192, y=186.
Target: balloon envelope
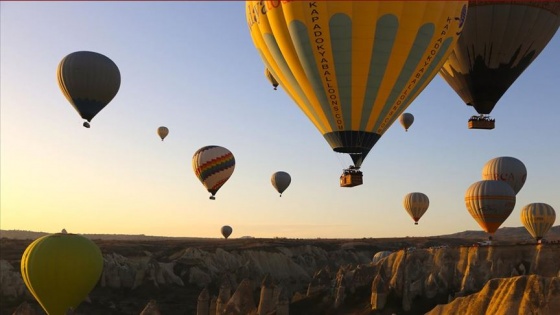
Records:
x=380, y=255
x=354, y=66
x=406, y=120
x=416, y=204
x=60, y=270
x=280, y=180
x=538, y=218
x=499, y=41
x=89, y=81
x=490, y=202
x=162, y=132
x=213, y=165
x=226, y=231
x=507, y=169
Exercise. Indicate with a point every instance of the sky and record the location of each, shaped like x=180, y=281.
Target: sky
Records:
x=192, y=66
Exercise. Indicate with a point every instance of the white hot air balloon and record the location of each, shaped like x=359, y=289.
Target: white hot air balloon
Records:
x=507, y=169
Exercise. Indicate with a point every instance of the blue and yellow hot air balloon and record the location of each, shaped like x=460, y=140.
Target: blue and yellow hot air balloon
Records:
x=538, y=218
x=89, y=81
x=353, y=67
x=213, y=165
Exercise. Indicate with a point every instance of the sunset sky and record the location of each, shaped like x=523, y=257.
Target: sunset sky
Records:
x=192, y=66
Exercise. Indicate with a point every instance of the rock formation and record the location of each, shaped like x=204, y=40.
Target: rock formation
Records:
x=508, y=296
x=266, y=301
x=241, y=302
x=151, y=309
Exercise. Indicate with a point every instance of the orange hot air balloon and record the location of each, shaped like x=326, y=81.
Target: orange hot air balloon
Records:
x=490, y=202
x=89, y=81
x=60, y=270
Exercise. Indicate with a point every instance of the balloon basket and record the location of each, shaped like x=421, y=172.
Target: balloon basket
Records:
x=351, y=178
x=477, y=122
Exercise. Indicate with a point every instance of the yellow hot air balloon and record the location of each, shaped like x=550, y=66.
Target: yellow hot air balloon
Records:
x=162, y=132
x=60, y=270
x=406, y=120
x=226, y=231
x=89, y=81
x=501, y=38
x=490, y=202
x=416, y=204
x=213, y=165
x=354, y=66
x=281, y=180
x=507, y=169
x=271, y=78
x=538, y=218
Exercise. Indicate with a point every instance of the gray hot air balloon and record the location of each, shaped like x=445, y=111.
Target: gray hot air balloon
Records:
x=406, y=120
x=226, y=231
x=281, y=180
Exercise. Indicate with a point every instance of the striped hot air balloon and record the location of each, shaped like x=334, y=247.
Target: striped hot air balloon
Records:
x=89, y=81
x=538, y=218
x=213, y=165
x=416, y=204
x=162, y=132
x=353, y=67
x=490, y=202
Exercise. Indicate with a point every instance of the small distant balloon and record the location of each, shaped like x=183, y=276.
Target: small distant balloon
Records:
x=507, y=169
x=490, y=202
x=213, y=165
x=416, y=204
x=538, y=218
x=280, y=180
x=406, y=120
x=89, y=81
x=226, y=231
x=162, y=132
x=271, y=78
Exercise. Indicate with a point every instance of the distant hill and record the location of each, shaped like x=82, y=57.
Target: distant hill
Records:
x=31, y=235
x=514, y=234
x=517, y=234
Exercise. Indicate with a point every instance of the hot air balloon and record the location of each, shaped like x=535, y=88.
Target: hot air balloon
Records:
x=538, y=218
x=162, y=132
x=89, y=81
x=280, y=180
x=490, y=202
x=353, y=67
x=271, y=78
x=380, y=255
x=416, y=204
x=499, y=41
x=406, y=120
x=507, y=169
x=60, y=270
x=213, y=165
x=226, y=231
